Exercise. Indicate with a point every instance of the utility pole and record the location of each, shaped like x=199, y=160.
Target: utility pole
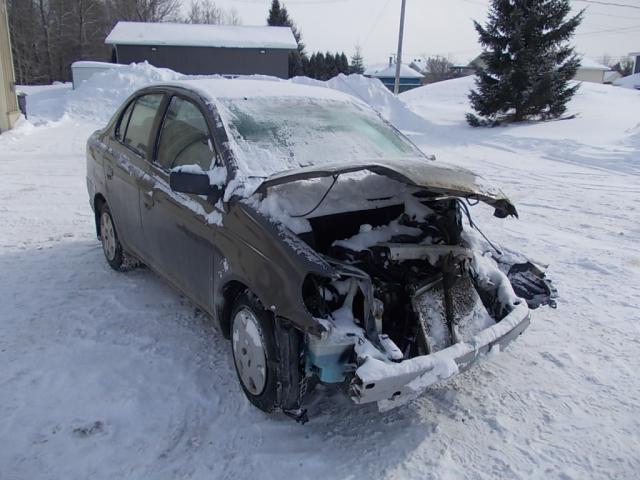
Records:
x=396, y=86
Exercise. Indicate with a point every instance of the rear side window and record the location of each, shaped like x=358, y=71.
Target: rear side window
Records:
x=141, y=121
x=184, y=139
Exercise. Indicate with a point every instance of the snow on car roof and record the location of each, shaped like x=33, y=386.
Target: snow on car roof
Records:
x=226, y=88
x=201, y=35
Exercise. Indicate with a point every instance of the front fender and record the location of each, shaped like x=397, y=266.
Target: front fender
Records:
x=271, y=261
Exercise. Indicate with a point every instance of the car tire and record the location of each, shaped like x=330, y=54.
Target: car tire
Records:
x=254, y=349
x=111, y=246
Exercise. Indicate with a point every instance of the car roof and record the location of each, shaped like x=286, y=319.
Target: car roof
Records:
x=231, y=88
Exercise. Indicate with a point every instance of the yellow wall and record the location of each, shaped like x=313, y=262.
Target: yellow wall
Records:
x=8, y=101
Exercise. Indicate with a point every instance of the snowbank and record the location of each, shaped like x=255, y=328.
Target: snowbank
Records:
x=605, y=132
x=630, y=81
x=107, y=375
x=100, y=95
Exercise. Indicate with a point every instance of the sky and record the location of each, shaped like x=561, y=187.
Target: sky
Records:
x=442, y=27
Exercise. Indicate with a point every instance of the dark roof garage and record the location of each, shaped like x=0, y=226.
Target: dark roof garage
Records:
x=204, y=49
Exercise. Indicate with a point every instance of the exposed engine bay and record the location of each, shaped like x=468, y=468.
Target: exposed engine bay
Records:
x=411, y=281
x=408, y=281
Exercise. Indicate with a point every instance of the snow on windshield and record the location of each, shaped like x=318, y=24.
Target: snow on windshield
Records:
x=277, y=134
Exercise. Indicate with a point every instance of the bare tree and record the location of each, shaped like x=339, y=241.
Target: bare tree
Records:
x=48, y=35
x=143, y=10
x=624, y=67
x=233, y=17
x=606, y=60
x=204, y=11
x=438, y=68
x=207, y=11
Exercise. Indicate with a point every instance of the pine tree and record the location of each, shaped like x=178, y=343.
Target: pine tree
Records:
x=321, y=68
x=527, y=62
x=279, y=17
x=357, y=62
x=343, y=64
x=275, y=15
x=331, y=67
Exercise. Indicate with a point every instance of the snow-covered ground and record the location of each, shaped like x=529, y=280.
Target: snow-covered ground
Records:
x=107, y=375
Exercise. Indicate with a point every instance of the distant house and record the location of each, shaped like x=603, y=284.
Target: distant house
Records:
x=386, y=73
x=591, y=71
x=205, y=49
x=469, y=68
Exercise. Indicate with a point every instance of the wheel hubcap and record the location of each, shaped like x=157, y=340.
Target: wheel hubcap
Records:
x=108, y=235
x=248, y=351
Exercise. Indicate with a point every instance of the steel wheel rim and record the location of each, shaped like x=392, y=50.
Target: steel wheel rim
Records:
x=248, y=351
x=108, y=236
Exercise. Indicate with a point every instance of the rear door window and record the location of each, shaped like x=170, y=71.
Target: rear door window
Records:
x=185, y=137
x=124, y=120
x=141, y=122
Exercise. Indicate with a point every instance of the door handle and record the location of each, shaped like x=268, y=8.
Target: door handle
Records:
x=148, y=199
x=109, y=171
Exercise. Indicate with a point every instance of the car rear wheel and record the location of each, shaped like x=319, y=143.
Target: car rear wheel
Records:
x=254, y=351
x=111, y=245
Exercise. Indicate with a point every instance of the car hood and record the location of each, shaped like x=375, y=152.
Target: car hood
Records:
x=419, y=172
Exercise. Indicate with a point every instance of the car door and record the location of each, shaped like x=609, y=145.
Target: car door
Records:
x=125, y=167
x=179, y=229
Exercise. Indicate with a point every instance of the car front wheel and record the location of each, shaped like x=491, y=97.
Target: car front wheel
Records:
x=254, y=351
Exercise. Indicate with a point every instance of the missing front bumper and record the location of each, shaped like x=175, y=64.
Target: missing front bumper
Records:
x=392, y=384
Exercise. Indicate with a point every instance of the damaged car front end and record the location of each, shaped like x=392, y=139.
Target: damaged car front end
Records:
x=416, y=294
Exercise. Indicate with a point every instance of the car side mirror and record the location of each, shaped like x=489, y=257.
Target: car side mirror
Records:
x=195, y=183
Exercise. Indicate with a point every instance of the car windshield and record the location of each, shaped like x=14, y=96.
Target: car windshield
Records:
x=279, y=134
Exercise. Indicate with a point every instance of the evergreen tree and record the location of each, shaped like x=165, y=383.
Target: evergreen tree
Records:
x=279, y=17
x=357, y=62
x=331, y=67
x=312, y=67
x=275, y=15
x=527, y=62
x=320, y=71
x=343, y=64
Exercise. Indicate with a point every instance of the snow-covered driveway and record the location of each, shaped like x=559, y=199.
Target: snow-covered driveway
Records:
x=107, y=375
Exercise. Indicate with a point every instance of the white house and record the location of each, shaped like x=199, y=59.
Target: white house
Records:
x=591, y=71
x=83, y=70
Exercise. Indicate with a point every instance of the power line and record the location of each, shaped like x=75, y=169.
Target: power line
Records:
x=619, y=30
x=609, y=4
x=375, y=23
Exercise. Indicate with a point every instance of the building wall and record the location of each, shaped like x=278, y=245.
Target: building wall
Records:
x=405, y=83
x=208, y=60
x=8, y=101
x=588, y=75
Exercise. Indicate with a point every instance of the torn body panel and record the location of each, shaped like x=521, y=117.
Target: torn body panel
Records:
x=412, y=301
